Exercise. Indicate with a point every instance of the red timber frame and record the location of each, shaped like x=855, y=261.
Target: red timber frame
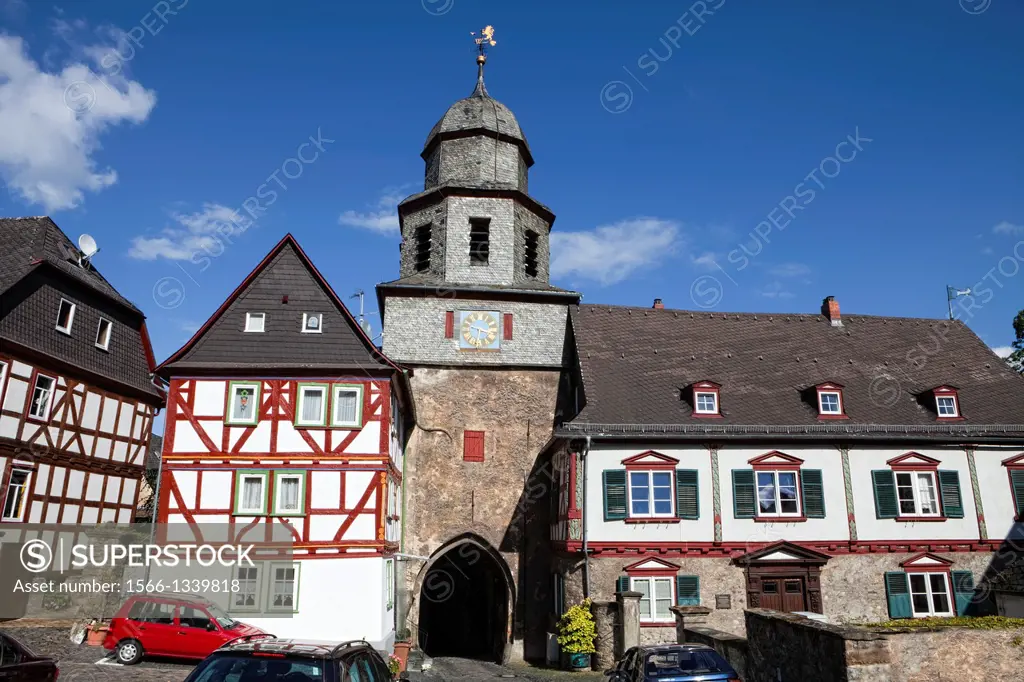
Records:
x=39, y=446
x=277, y=405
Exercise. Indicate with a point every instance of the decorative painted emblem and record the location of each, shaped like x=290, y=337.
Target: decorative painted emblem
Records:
x=479, y=330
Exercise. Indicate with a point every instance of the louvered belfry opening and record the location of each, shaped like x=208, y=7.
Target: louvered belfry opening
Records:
x=423, y=248
x=464, y=605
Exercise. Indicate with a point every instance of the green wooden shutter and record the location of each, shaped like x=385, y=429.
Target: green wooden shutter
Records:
x=1017, y=481
x=687, y=494
x=614, y=494
x=813, y=486
x=744, y=494
x=952, y=503
x=688, y=590
x=963, y=590
x=622, y=583
x=886, y=506
x=897, y=591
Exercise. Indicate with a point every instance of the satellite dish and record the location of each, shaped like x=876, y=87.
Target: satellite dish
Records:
x=365, y=324
x=87, y=245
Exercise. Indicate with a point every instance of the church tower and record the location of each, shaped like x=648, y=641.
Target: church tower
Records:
x=474, y=317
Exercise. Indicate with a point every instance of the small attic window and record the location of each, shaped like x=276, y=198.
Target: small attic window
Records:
x=65, y=316
x=255, y=322
x=530, y=257
x=312, y=323
x=479, y=241
x=423, y=239
x=706, y=396
x=947, y=402
x=830, y=401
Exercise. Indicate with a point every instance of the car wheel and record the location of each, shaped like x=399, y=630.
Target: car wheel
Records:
x=129, y=651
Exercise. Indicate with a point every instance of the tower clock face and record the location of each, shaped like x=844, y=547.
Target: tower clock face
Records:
x=478, y=330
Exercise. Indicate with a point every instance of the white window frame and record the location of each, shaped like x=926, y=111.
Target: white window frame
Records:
x=915, y=475
x=250, y=323
x=271, y=592
x=300, y=390
x=652, y=514
x=3, y=380
x=49, y=400
x=821, y=402
x=71, y=317
x=337, y=389
x=653, y=598
x=25, y=490
x=931, y=612
x=103, y=342
x=938, y=406
x=278, y=477
x=253, y=386
x=320, y=327
x=258, y=593
x=239, y=510
x=696, y=402
x=389, y=584
x=778, y=496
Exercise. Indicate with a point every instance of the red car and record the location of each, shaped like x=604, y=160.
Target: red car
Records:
x=174, y=625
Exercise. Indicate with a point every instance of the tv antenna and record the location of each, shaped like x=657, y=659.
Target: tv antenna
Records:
x=364, y=324
x=88, y=248
x=953, y=293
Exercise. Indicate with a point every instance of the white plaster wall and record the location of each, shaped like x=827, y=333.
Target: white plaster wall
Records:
x=833, y=527
x=870, y=527
x=601, y=458
x=996, y=494
x=216, y=491
x=210, y=398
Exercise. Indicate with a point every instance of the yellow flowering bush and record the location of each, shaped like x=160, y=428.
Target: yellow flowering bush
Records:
x=576, y=629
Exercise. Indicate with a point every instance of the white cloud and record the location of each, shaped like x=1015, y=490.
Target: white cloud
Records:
x=776, y=290
x=1002, y=351
x=707, y=260
x=192, y=233
x=789, y=270
x=383, y=216
x=1007, y=227
x=611, y=253
x=50, y=125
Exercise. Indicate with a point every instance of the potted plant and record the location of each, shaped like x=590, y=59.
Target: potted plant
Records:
x=97, y=633
x=576, y=634
x=402, y=646
x=395, y=666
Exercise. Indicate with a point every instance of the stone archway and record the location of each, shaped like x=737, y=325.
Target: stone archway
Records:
x=466, y=601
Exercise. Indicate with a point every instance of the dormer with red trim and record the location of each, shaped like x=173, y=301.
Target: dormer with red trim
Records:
x=947, y=403
x=706, y=400
x=830, y=401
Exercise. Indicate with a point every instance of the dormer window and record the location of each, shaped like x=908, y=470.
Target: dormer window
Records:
x=947, y=403
x=312, y=323
x=255, y=322
x=706, y=399
x=103, y=334
x=830, y=401
x=65, y=316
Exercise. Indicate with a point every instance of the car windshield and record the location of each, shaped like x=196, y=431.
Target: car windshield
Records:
x=223, y=619
x=258, y=669
x=683, y=662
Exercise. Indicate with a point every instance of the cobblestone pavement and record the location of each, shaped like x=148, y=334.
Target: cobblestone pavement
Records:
x=465, y=670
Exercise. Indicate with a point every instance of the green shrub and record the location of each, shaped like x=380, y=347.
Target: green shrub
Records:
x=981, y=623
x=576, y=629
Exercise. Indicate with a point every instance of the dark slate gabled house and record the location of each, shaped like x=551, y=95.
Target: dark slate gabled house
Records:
x=859, y=467
x=77, y=400
x=284, y=418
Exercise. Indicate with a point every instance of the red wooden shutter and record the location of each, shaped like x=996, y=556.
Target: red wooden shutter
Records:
x=473, y=446
x=506, y=327
x=449, y=324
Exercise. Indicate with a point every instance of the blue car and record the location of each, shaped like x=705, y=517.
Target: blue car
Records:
x=672, y=663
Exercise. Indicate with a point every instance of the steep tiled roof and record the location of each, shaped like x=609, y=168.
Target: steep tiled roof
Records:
x=638, y=363
x=27, y=241
x=283, y=286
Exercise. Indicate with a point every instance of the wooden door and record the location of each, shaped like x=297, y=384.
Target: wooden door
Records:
x=771, y=594
x=793, y=595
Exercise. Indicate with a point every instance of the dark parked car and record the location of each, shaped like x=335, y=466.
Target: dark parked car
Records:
x=672, y=663
x=19, y=664
x=261, y=658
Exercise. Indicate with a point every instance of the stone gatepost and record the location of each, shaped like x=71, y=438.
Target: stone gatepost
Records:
x=606, y=617
x=688, y=615
x=629, y=620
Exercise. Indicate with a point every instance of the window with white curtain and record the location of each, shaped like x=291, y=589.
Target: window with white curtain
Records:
x=248, y=594
x=251, y=493
x=656, y=598
x=289, y=493
x=312, y=405
x=284, y=583
x=348, y=406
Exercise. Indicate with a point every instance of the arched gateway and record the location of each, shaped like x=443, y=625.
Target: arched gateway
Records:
x=466, y=601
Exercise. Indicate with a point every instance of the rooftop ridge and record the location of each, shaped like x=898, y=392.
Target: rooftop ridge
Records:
x=732, y=314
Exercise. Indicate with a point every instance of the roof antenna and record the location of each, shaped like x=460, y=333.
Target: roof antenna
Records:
x=364, y=324
x=952, y=293
x=88, y=248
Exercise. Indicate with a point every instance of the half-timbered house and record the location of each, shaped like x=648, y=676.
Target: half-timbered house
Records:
x=282, y=414
x=857, y=467
x=77, y=400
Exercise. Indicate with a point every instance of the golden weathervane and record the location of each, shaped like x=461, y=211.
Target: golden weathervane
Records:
x=485, y=40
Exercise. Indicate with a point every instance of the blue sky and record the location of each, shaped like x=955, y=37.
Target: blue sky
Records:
x=720, y=155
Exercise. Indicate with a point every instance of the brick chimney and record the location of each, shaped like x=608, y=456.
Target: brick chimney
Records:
x=830, y=309
x=658, y=305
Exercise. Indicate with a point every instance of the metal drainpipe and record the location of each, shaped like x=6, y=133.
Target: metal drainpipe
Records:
x=583, y=523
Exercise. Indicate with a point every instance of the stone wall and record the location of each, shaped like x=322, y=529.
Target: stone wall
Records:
x=479, y=161
x=437, y=217
x=527, y=220
x=959, y=654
